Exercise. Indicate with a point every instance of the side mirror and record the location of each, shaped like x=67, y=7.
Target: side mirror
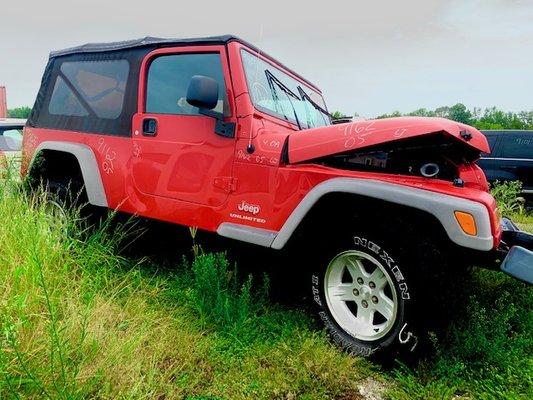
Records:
x=202, y=92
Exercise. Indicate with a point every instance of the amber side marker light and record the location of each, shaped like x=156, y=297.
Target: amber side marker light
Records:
x=466, y=222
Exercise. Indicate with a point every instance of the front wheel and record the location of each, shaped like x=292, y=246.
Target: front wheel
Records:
x=364, y=297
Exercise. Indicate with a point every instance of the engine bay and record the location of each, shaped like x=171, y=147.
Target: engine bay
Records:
x=434, y=156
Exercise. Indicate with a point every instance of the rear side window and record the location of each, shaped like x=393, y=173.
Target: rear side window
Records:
x=168, y=81
x=518, y=145
x=86, y=88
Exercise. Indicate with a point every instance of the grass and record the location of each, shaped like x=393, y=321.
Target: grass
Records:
x=79, y=320
x=524, y=221
x=485, y=354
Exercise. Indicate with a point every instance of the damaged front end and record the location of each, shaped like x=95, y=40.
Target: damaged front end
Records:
x=426, y=147
x=437, y=156
x=431, y=148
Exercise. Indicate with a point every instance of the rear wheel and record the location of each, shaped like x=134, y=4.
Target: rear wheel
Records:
x=56, y=202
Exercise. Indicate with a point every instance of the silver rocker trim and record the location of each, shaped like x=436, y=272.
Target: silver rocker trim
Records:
x=262, y=237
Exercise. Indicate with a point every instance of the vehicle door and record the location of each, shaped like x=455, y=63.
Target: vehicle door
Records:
x=176, y=152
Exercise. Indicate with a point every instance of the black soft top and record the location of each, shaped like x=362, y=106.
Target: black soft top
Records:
x=65, y=113
x=148, y=41
x=153, y=42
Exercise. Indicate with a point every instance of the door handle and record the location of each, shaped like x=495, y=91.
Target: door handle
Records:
x=149, y=127
x=509, y=167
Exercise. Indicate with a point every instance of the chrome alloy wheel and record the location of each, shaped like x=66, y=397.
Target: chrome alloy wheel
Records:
x=360, y=295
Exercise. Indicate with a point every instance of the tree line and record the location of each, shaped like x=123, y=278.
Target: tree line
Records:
x=485, y=119
x=489, y=118
x=19, y=112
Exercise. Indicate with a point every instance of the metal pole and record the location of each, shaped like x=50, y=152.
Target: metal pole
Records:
x=3, y=102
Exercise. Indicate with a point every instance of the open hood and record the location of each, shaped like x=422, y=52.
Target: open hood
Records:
x=316, y=143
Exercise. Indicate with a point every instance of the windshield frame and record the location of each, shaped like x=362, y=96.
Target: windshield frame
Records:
x=279, y=69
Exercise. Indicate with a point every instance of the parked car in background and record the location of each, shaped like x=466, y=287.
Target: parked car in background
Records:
x=10, y=141
x=510, y=159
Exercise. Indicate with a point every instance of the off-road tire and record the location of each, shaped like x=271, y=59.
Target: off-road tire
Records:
x=400, y=334
x=416, y=266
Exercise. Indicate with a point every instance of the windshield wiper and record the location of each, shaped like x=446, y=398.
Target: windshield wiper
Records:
x=305, y=96
x=273, y=80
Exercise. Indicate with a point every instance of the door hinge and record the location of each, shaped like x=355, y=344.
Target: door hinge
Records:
x=226, y=183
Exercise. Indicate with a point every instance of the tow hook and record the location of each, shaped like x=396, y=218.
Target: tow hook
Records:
x=518, y=262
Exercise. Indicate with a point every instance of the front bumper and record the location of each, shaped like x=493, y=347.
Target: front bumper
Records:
x=518, y=245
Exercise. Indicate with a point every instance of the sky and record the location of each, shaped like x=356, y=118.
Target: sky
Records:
x=370, y=57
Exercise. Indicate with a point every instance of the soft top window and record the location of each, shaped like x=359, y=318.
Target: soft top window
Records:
x=92, y=93
x=87, y=88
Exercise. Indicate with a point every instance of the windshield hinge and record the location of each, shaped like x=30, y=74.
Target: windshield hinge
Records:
x=226, y=129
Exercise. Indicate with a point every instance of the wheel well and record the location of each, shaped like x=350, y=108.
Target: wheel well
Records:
x=375, y=213
x=56, y=166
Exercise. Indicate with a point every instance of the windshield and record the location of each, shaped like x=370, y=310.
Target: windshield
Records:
x=276, y=102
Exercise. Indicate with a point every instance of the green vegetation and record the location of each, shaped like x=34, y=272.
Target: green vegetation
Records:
x=19, y=112
x=487, y=352
x=487, y=119
x=507, y=195
x=80, y=320
x=490, y=118
x=511, y=204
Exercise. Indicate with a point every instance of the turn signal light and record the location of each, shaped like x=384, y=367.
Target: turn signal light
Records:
x=466, y=222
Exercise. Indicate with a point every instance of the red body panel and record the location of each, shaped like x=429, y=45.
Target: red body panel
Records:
x=188, y=175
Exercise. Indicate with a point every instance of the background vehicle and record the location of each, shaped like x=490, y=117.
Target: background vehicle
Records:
x=510, y=158
x=10, y=140
x=212, y=133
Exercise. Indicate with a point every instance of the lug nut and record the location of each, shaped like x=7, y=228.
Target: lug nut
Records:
x=360, y=281
x=356, y=292
x=372, y=285
x=364, y=304
x=374, y=299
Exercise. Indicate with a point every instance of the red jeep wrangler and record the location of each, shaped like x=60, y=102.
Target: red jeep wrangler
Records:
x=213, y=133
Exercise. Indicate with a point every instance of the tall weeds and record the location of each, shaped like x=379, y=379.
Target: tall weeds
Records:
x=39, y=256
x=218, y=296
x=507, y=195
x=78, y=320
